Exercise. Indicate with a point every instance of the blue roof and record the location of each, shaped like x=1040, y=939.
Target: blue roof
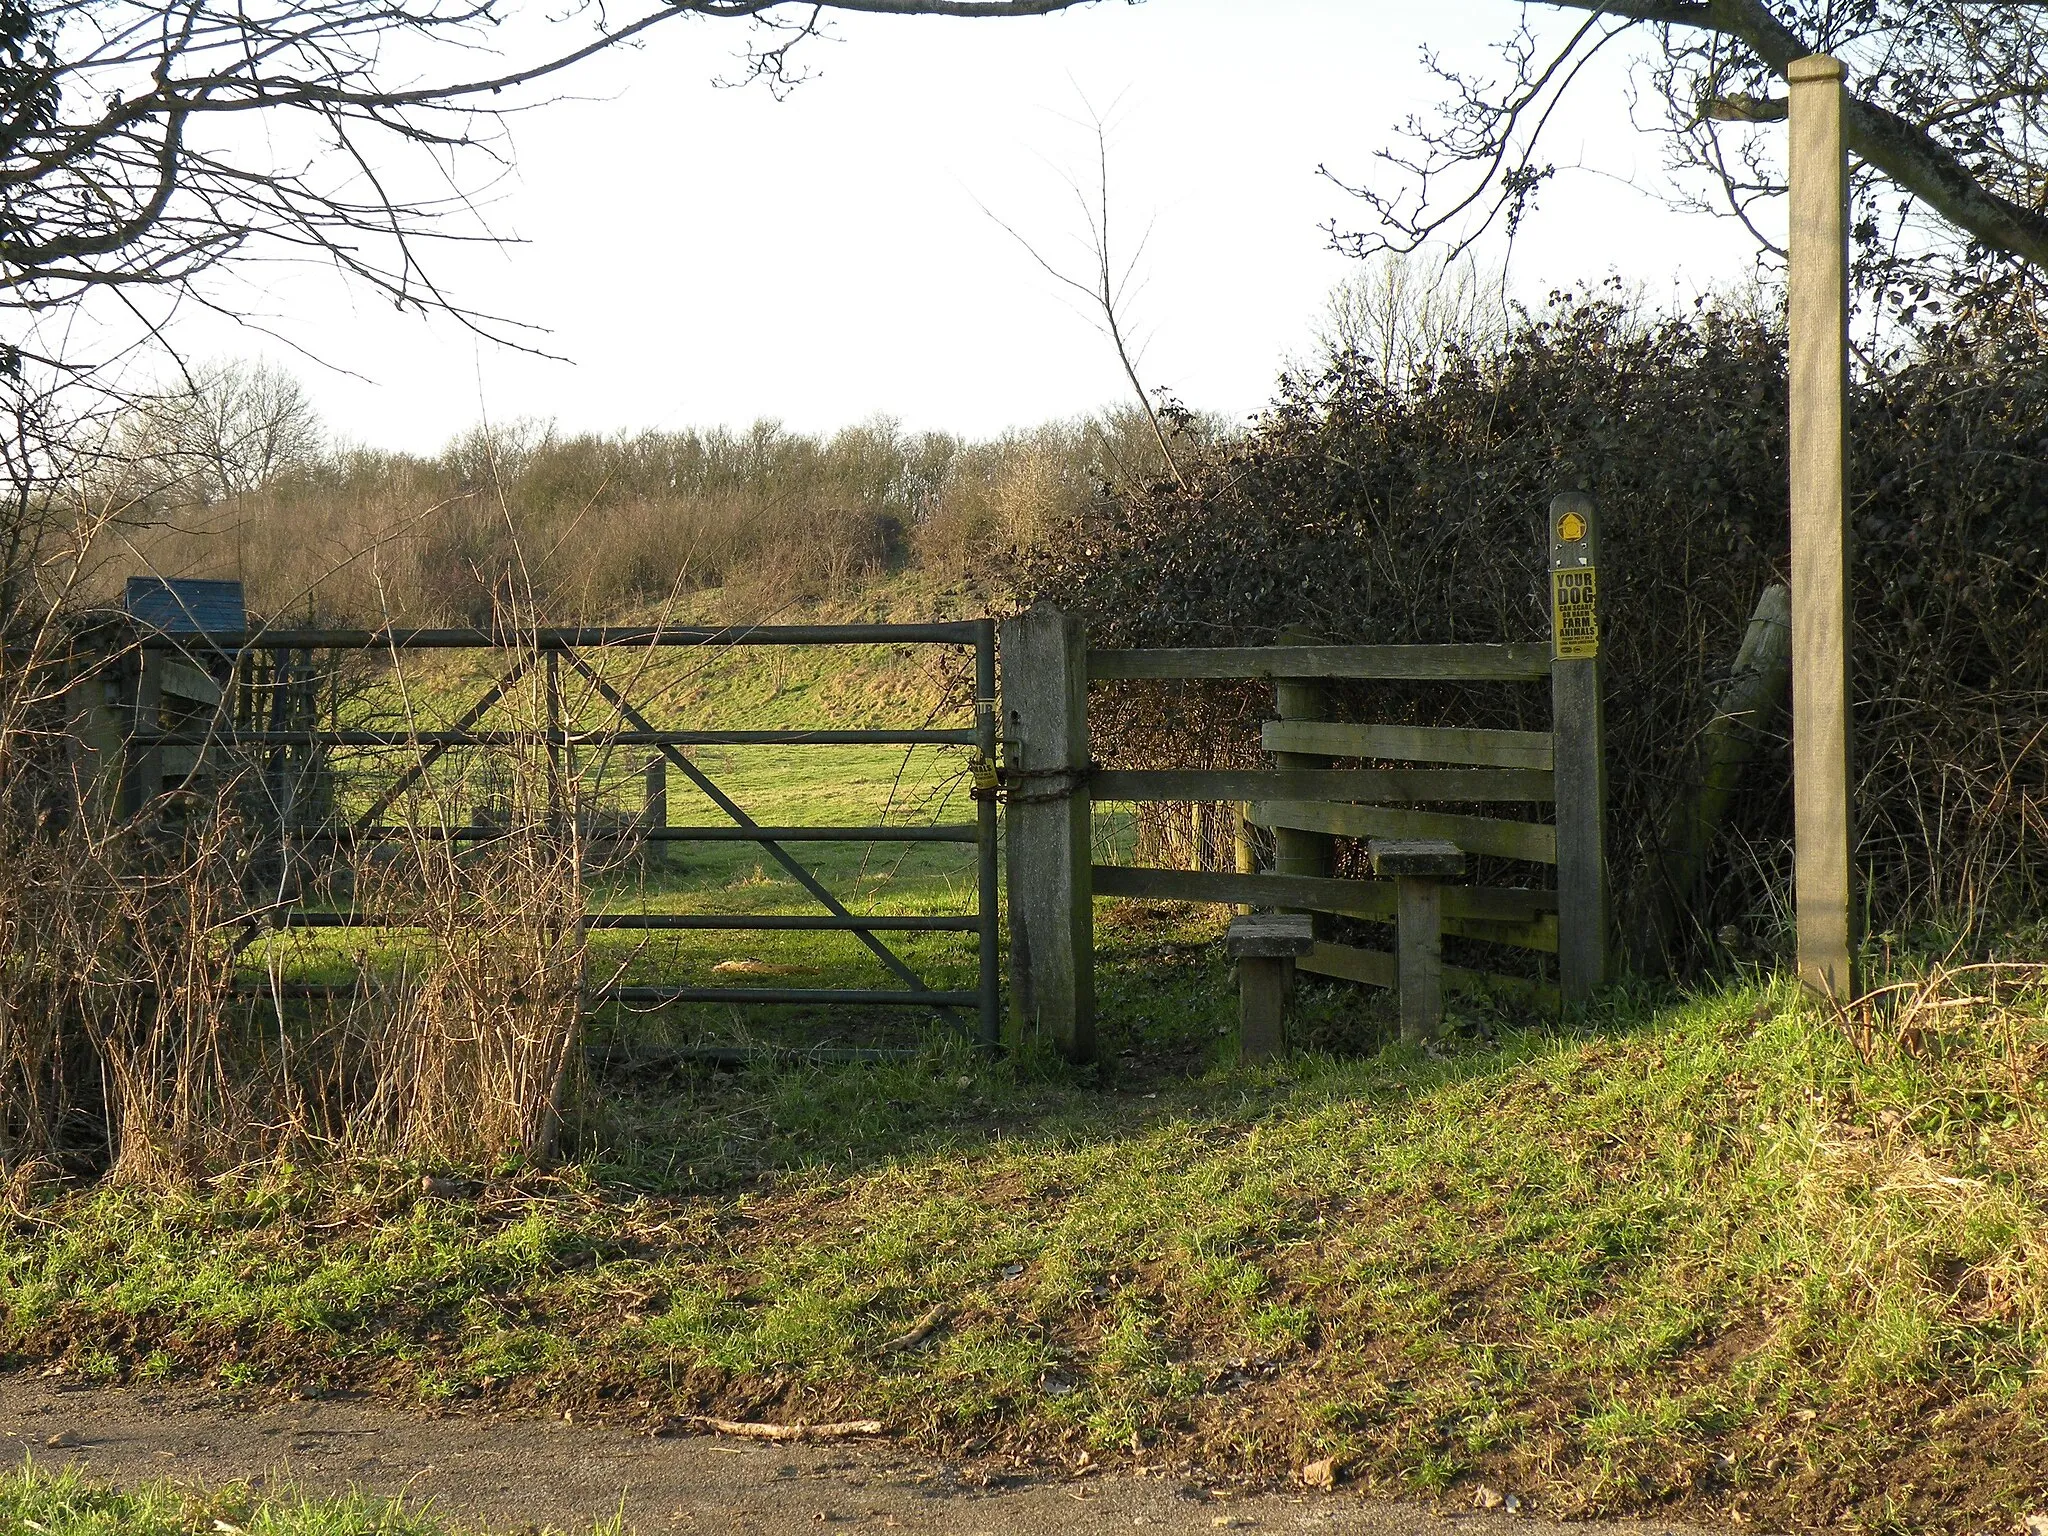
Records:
x=183, y=606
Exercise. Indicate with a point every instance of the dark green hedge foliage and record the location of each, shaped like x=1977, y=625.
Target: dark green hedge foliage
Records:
x=1358, y=513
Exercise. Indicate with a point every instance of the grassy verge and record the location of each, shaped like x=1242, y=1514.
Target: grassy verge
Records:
x=67, y=1504
x=1715, y=1253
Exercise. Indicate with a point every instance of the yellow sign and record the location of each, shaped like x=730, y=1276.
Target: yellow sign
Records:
x=1574, y=616
x=1571, y=528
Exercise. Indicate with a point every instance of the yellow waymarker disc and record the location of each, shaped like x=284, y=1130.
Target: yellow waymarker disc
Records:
x=1571, y=528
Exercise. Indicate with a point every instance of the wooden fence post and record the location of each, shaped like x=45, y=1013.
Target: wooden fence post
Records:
x=1241, y=845
x=1047, y=827
x=654, y=807
x=1295, y=852
x=1579, y=755
x=1817, y=292
x=1749, y=702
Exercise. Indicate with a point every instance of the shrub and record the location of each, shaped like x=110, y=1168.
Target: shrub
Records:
x=1414, y=512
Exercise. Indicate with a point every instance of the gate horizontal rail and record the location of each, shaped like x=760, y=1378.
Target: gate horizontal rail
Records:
x=940, y=833
x=962, y=632
x=682, y=921
x=566, y=738
x=827, y=995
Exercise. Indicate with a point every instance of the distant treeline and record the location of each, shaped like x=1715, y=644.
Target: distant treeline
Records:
x=233, y=480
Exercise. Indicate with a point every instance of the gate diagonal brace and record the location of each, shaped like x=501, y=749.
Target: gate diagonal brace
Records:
x=428, y=758
x=725, y=803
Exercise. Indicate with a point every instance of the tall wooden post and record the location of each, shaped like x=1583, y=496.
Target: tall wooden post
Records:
x=1047, y=828
x=1580, y=753
x=1818, y=302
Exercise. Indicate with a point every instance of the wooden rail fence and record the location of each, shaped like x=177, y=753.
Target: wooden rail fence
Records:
x=1308, y=802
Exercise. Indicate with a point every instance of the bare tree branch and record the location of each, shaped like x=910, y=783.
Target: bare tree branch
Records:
x=1107, y=286
x=1949, y=105
x=112, y=173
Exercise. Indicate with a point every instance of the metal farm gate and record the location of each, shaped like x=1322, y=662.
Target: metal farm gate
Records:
x=180, y=698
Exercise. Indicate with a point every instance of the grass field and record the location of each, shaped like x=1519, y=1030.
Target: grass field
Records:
x=1721, y=1252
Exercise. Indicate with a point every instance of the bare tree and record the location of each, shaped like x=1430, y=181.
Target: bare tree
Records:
x=1405, y=313
x=1106, y=283
x=144, y=143
x=1948, y=108
x=229, y=429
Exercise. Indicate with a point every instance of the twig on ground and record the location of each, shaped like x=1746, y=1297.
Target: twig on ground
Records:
x=923, y=1329
x=751, y=1431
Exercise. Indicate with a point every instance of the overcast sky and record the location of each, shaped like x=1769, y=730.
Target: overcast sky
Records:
x=703, y=256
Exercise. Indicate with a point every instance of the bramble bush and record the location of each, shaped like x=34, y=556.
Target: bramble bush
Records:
x=1359, y=510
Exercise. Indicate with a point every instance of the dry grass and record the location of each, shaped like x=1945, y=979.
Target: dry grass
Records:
x=131, y=1036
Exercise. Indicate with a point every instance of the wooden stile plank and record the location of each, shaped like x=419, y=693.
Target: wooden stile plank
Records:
x=1538, y=933
x=1347, y=962
x=1412, y=743
x=1385, y=663
x=1486, y=835
x=1410, y=786
x=1376, y=969
x=1372, y=900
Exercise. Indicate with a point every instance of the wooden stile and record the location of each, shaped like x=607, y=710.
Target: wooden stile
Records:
x=1308, y=803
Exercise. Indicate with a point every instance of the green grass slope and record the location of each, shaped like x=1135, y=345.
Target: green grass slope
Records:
x=1705, y=1255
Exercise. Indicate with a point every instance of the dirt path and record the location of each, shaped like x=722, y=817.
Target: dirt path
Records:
x=524, y=1474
